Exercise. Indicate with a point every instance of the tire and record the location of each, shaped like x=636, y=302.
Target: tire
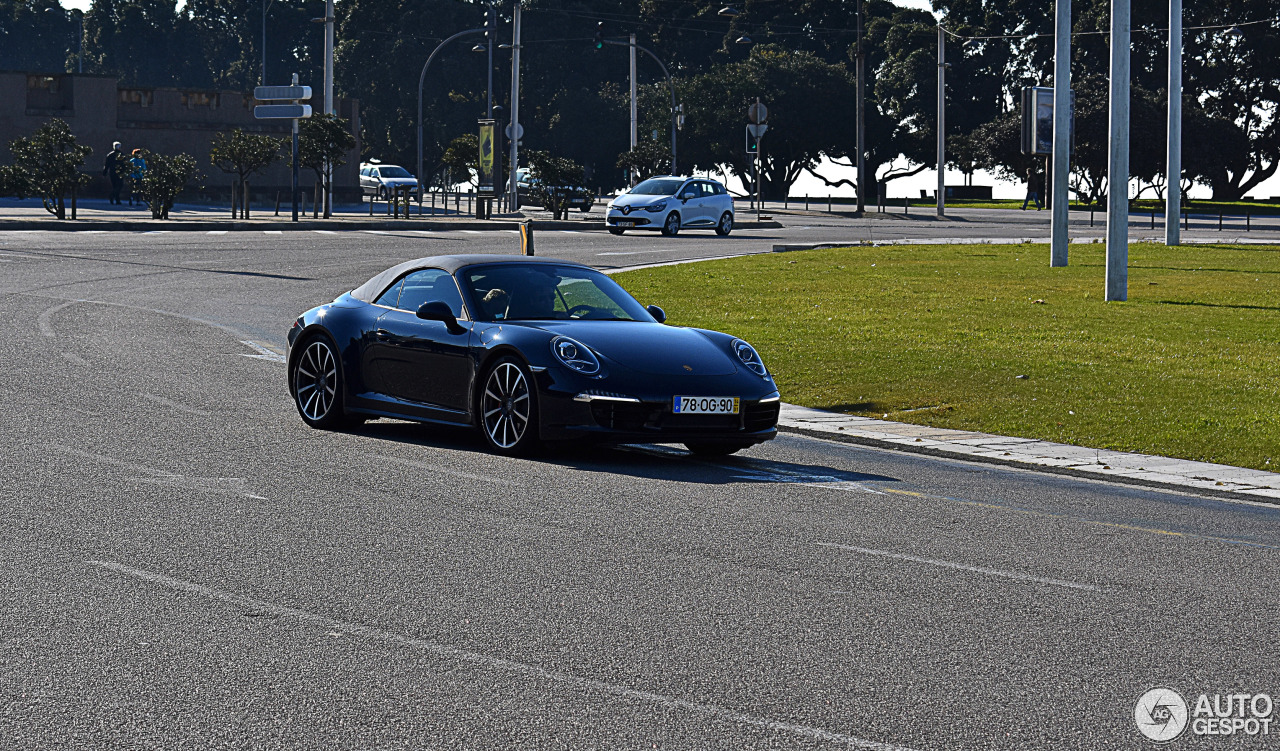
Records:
x=671, y=227
x=716, y=448
x=726, y=224
x=315, y=382
x=508, y=408
x=616, y=230
x=585, y=209
x=382, y=194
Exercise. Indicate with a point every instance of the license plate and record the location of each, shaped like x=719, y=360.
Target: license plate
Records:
x=626, y=224
x=705, y=405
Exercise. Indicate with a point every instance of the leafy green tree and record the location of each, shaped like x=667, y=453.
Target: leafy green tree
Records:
x=555, y=180
x=164, y=178
x=462, y=158
x=647, y=159
x=323, y=138
x=810, y=115
x=49, y=164
x=243, y=154
x=143, y=42
x=36, y=35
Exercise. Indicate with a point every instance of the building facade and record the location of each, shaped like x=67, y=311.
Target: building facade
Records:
x=163, y=120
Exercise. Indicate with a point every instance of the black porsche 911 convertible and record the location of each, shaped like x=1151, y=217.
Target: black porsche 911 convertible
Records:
x=527, y=350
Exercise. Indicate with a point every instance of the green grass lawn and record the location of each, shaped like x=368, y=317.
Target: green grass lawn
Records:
x=989, y=338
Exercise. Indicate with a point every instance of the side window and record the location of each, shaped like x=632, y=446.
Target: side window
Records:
x=391, y=296
x=718, y=188
x=429, y=285
x=707, y=189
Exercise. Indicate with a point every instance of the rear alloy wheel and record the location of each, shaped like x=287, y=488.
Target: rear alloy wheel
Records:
x=316, y=382
x=671, y=227
x=508, y=408
x=716, y=448
x=726, y=224
x=382, y=194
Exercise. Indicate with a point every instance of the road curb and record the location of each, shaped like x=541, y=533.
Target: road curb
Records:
x=931, y=451
x=278, y=225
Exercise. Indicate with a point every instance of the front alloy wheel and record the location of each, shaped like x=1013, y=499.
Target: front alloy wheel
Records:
x=671, y=227
x=317, y=385
x=726, y=224
x=508, y=412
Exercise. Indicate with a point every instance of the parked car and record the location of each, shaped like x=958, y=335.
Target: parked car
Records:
x=670, y=204
x=525, y=350
x=580, y=198
x=380, y=179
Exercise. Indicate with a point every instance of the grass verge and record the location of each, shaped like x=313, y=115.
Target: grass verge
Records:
x=989, y=338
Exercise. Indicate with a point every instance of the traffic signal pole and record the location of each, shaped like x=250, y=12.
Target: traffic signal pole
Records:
x=514, y=202
x=635, y=124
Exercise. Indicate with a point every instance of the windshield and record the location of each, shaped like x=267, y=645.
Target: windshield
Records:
x=546, y=292
x=657, y=187
x=394, y=172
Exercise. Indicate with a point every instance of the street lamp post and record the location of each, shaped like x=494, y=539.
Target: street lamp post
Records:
x=942, y=119
x=1173, y=160
x=675, y=113
x=423, y=77
x=514, y=201
x=1117, y=278
x=860, y=138
x=1059, y=201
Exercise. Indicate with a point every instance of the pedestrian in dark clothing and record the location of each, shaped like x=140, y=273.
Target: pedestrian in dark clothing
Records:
x=1033, y=189
x=113, y=169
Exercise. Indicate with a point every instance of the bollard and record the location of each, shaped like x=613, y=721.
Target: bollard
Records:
x=785, y=200
x=1153, y=219
x=244, y=209
x=906, y=205
x=457, y=203
x=277, y=203
x=234, y=195
x=1246, y=221
x=806, y=201
x=371, y=200
x=469, y=209
x=1091, y=215
x=526, y=237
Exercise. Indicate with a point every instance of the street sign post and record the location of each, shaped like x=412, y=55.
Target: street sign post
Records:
x=291, y=109
x=757, y=114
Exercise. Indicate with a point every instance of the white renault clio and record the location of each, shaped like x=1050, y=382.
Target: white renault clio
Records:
x=671, y=204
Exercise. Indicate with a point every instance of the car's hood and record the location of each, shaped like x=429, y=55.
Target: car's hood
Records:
x=636, y=201
x=648, y=347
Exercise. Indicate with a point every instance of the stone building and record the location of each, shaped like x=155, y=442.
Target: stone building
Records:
x=163, y=120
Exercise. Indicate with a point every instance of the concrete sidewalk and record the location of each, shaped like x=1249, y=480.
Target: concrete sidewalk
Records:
x=1201, y=478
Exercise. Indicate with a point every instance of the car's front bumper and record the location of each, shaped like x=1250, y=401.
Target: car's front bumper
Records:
x=634, y=220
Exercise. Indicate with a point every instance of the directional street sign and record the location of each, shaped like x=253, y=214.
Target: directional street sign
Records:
x=757, y=113
x=281, y=111
x=757, y=129
x=271, y=93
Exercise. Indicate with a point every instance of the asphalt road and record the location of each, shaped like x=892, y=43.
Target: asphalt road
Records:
x=183, y=564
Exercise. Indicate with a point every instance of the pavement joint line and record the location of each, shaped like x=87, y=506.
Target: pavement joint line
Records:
x=1082, y=520
x=442, y=470
x=492, y=662
x=961, y=566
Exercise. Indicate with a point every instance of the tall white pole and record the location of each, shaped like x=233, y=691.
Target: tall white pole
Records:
x=328, y=100
x=942, y=121
x=860, y=66
x=1173, y=172
x=635, y=123
x=515, y=104
x=1059, y=199
x=1118, y=164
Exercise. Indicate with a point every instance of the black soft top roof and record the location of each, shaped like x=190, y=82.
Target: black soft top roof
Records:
x=369, y=291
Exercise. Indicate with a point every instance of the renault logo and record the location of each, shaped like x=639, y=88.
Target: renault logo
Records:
x=688, y=368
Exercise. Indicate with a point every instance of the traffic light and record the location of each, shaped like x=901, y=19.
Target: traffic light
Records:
x=753, y=142
x=600, y=35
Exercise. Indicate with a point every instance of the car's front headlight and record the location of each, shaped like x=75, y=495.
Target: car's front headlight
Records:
x=574, y=355
x=656, y=207
x=749, y=357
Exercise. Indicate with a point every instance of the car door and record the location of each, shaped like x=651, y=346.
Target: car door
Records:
x=716, y=201
x=690, y=209
x=422, y=361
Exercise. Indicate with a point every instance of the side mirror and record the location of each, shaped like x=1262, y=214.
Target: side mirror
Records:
x=439, y=311
x=685, y=196
x=659, y=314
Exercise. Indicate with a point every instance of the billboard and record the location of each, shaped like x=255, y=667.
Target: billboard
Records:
x=487, y=167
x=1037, y=120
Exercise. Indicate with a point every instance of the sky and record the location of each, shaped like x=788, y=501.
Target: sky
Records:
x=927, y=180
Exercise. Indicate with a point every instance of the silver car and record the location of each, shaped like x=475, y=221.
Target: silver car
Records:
x=381, y=179
x=671, y=204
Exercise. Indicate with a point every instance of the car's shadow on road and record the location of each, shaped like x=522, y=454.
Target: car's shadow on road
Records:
x=642, y=461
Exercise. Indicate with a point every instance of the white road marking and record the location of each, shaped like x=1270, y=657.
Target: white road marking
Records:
x=175, y=405
x=332, y=625
x=961, y=566
x=156, y=232
x=74, y=359
x=272, y=232
x=263, y=352
x=375, y=232
x=324, y=232
x=569, y=231
x=232, y=485
x=637, y=252
x=443, y=470
x=42, y=321
x=217, y=232
x=510, y=231
x=767, y=472
x=424, y=231
x=89, y=231
x=473, y=232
